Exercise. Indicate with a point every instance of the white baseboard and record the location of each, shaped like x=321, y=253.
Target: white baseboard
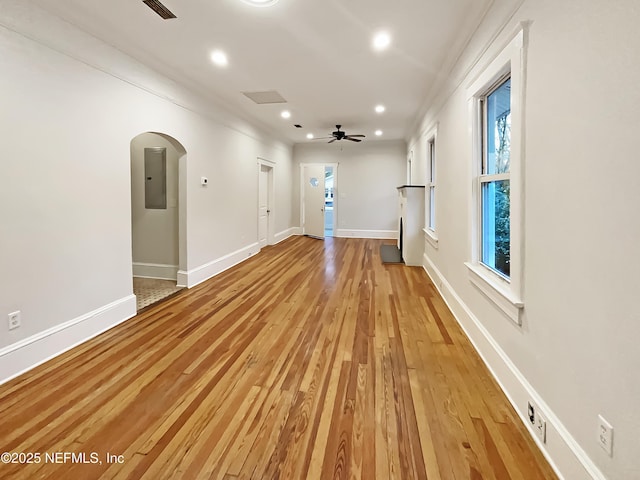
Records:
x=565, y=455
x=26, y=354
x=155, y=270
x=379, y=234
x=182, y=279
x=279, y=237
x=204, y=272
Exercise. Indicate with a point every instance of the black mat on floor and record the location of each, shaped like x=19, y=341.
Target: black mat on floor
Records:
x=390, y=254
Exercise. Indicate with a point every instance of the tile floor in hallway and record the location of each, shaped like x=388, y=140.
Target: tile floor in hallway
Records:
x=151, y=290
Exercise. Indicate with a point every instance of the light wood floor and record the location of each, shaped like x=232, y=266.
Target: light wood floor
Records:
x=311, y=360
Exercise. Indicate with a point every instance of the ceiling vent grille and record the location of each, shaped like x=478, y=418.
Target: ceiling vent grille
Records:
x=262, y=98
x=159, y=8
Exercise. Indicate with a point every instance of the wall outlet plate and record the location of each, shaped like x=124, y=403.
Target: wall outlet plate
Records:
x=540, y=426
x=538, y=421
x=605, y=435
x=15, y=320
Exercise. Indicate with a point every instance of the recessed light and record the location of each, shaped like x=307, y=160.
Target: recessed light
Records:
x=381, y=40
x=310, y=136
x=380, y=108
x=285, y=114
x=219, y=58
x=378, y=133
x=260, y=3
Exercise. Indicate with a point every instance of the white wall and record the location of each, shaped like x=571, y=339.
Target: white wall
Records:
x=65, y=201
x=154, y=231
x=576, y=353
x=368, y=174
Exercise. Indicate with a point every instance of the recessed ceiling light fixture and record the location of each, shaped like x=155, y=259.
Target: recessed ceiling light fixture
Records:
x=381, y=41
x=378, y=133
x=285, y=114
x=219, y=58
x=380, y=108
x=260, y=3
x=310, y=136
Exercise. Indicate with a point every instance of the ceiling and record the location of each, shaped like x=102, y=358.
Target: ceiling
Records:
x=316, y=54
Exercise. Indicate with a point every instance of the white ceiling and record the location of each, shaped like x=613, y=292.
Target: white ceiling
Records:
x=316, y=54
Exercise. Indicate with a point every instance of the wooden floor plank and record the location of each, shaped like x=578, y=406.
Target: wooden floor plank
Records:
x=310, y=360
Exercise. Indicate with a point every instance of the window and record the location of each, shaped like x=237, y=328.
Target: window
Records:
x=496, y=100
x=495, y=185
x=431, y=184
x=430, y=191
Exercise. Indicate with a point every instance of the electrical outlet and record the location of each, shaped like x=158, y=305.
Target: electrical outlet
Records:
x=538, y=421
x=14, y=320
x=540, y=426
x=605, y=435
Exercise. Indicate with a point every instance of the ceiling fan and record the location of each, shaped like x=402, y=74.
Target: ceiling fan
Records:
x=340, y=135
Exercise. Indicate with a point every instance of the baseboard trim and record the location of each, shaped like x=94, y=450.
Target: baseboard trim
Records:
x=208, y=270
x=155, y=270
x=182, y=278
x=22, y=356
x=567, y=458
x=376, y=234
x=282, y=236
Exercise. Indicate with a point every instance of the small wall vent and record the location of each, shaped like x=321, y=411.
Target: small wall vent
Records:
x=159, y=8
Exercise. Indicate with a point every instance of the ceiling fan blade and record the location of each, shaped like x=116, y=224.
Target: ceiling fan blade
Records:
x=321, y=138
x=353, y=139
x=331, y=141
x=362, y=136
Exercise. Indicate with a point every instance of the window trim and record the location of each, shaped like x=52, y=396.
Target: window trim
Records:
x=505, y=293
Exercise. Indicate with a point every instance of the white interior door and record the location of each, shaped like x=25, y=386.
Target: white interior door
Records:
x=313, y=189
x=264, y=210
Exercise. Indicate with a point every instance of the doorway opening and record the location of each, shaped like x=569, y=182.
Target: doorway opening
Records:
x=329, y=191
x=319, y=199
x=158, y=220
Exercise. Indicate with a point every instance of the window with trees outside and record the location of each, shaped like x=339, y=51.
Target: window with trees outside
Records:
x=495, y=178
x=496, y=99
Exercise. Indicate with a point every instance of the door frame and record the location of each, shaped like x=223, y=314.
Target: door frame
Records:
x=270, y=200
x=335, y=192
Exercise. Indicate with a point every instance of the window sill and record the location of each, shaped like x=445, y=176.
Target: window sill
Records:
x=431, y=237
x=496, y=290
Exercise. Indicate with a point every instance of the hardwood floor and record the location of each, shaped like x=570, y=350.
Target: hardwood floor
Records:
x=311, y=360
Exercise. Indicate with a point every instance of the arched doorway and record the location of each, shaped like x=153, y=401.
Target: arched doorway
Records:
x=158, y=206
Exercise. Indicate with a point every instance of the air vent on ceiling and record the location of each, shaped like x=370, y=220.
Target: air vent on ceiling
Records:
x=297, y=125
x=261, y=98
x=159, y=8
